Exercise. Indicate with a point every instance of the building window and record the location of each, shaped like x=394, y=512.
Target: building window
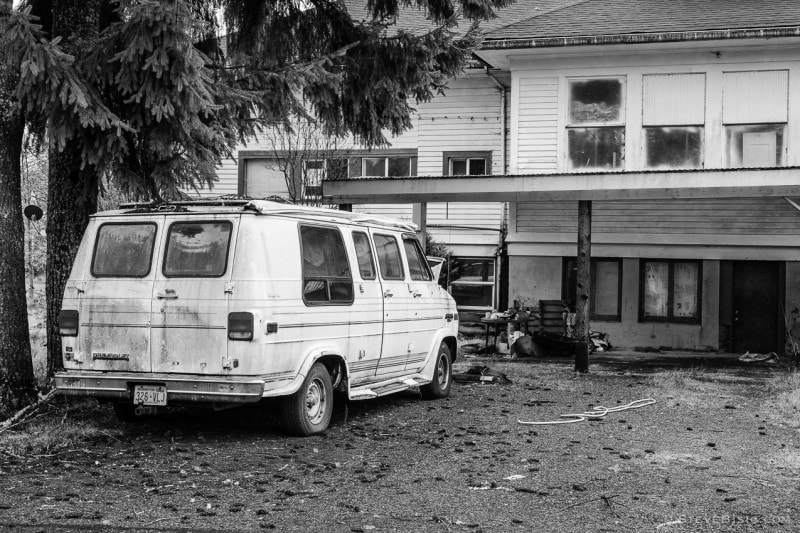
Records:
x=670, y=291
x=596, y=124
x=388, y=166
x=673, y=147
x=316, y=170
x=755, y=145
x=467, y=163
x=606, y=300
x=471, y=282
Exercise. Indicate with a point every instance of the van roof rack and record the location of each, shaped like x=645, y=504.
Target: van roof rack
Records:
x=272, y=206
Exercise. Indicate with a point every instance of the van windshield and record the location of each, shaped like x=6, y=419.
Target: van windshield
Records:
x=197, y=249
x=123, y=250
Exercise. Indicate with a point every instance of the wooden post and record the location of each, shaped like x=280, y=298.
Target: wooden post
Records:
x=420, y=217
x=584, y=286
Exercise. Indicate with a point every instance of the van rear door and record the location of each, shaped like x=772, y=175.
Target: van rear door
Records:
x=115, y=296
x=191, y=295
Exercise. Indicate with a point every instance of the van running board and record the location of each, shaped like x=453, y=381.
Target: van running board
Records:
x=387, y=387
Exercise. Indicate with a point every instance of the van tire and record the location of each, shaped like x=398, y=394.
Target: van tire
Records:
x=439, y=387
x=308, y=411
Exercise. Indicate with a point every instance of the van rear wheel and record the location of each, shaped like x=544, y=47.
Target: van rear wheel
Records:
x=308, y=411
x=439, y=387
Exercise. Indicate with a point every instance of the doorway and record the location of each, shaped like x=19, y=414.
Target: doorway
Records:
x=757, y=324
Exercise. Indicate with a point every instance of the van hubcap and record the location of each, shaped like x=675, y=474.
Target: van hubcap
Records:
x=443, y=372
x=315, y=401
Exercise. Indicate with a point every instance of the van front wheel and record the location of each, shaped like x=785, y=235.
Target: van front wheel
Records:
x=439, y=387
x=308, y=411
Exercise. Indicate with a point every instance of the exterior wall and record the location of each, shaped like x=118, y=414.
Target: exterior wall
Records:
x=792, y=303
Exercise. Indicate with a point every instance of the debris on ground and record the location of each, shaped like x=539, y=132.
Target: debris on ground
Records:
x=597, y=413
x=483, y=374
x=748, y=357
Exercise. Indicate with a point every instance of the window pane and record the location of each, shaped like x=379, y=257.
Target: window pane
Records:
x=374, y=166
x=606, y=288
x=399, y=166
x=680, y=147
x=389, y=257
x=458, y=167
x=656, y=288
x=596, y=147
x=472, y=295
x=758, y=145
x=595, y=101
x=124, y=250
x=326, y=270
x=477, y=167
x=468, y=269
x=417, y=264
x=366, y=264
x=684, y=297
x=197, y=249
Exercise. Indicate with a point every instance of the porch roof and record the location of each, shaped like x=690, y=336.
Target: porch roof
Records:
x=651, y=184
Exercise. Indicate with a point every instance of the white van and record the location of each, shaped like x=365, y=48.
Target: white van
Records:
x=227, y=302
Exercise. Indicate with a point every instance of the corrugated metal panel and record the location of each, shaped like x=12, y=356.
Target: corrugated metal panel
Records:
x=681, y=218
x=537, y=125
x=755, y=97
x=263, y=178
x=673, y=99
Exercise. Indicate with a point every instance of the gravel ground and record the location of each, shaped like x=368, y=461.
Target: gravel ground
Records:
x=715, y=452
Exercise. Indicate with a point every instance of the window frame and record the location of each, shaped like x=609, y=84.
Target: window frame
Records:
x=204, y=221
x=670, y=318
x=400, y=254
x=326, y=279
x=412, y=164
x=488, y=283
x=646, y=151
x=97, y=244
x=372, y=255
x=565, y=267
x=621, y=122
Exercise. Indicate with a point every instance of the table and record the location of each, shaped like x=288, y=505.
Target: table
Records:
x=497, y=322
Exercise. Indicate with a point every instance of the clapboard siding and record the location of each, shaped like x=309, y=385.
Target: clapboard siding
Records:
x=537, y=124
x=681, y=218
x=487, y=215
x=227, y=182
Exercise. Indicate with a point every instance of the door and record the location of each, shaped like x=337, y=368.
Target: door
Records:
x=191, y=296
x=366, y=327
x=756, y=306
x=426, y=307
x=115, y=296
x=397, y=304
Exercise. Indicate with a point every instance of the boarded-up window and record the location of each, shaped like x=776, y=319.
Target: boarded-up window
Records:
x=264, y=178
x=755, y=97
x=755, y=145
x=673, y=99
x=605, y=301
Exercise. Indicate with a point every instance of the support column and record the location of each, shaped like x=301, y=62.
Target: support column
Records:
x=420, y=218
x=584, y=286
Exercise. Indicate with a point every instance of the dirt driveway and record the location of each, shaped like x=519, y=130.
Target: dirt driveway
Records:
x=717, y=451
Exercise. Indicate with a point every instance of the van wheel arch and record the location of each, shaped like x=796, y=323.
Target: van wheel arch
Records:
x=337, y=369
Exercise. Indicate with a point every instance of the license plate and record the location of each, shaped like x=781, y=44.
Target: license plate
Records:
x=150, y=395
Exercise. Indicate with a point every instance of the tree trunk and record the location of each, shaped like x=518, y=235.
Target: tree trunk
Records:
x=583, y=286
x=72, y=191
x=17, y=384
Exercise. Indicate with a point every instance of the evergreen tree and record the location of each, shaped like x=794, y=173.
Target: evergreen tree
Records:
x=151, y=103
x=17, y=386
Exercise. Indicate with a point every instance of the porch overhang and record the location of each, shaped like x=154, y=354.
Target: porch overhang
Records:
x=645, y=185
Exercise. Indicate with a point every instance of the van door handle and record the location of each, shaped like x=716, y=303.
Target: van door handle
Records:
x=417, y=294
x=168, y=294
x=387, y=293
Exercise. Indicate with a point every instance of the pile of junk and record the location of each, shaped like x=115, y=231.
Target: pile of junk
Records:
x=555, y=334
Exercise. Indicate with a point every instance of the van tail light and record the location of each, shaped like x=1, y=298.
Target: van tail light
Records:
x=240, y=326
x=68, y=323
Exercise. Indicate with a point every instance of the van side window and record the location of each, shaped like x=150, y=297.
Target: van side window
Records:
x=197, y=249
x=417, y=264
x=389, y=257
x=366, y=264
x=123, y=250
x=326, y=269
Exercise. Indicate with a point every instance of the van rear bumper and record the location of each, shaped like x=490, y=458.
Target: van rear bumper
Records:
x=180, y=389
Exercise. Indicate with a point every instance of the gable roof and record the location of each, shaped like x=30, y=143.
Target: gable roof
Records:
x=619, y=21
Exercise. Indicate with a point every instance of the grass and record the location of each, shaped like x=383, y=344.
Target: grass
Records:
x=61, y=424
x=785, y=389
